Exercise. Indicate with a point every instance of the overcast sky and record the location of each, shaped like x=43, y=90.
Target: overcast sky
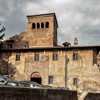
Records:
x=76, y=18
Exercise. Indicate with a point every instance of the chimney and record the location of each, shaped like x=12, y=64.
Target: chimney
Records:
x=67, y=44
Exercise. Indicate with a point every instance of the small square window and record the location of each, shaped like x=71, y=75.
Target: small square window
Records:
x=50, y=79
x=55, y=55
x=10, y=46
x=36, y=56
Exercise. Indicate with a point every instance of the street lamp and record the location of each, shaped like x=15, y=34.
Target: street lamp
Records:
x=66, y=71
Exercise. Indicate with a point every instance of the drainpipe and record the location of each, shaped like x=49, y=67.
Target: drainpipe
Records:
x=66, y=71
x=7, y=72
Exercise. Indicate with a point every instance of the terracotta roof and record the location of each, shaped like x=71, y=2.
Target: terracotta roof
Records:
x=53, y=48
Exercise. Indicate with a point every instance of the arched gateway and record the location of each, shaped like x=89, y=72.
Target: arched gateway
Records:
x=36, y=77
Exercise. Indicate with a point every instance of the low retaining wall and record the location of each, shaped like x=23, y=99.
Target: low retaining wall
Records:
x=14, y=93
x=92, y=96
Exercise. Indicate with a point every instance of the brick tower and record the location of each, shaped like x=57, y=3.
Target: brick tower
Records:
x=42, y=30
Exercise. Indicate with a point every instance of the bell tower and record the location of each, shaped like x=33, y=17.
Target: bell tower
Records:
x=42, y=30
x=75, y=42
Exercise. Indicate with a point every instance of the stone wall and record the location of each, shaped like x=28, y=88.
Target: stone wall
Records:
x=82, y=69
x=92, y=96
x=14, y=93
x=85, y=71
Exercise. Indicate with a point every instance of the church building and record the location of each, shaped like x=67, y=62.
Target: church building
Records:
x=37, y=56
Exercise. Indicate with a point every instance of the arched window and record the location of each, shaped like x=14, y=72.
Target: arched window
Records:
x=33, y=26
x=47, y=24
x=42, y=25
x=38, y=25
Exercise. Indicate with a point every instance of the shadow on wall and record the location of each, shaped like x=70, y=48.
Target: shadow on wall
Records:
x=6, y=68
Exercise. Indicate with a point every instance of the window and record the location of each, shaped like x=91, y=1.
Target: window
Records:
x=75, y=81
x=55, y=56
x=50, y=80
x=38, y=25
x=33, y=26
x=75, y=55
x=25, y=46
x=47, y=24
x=17, y=56
x=10, y=46
x=42, y=25
x=36, y=57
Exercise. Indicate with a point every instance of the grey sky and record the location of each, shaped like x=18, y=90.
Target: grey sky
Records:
x=79, y=18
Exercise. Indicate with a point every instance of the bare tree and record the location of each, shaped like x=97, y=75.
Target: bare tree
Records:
x=6, y=68
x=1, y=31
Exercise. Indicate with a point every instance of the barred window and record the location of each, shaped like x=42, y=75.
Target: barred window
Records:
x=17, y=56
x=55, y=55
x=75, y=81
x=36, y=56
x=75, y=55
x=50, y=80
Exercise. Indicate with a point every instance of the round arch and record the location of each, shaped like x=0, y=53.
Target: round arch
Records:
x=42, y=25
x=36, y=77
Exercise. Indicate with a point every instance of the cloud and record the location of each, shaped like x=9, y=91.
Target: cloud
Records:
x=79, y=18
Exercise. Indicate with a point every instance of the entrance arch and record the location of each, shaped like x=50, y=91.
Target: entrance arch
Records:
x=36, y=77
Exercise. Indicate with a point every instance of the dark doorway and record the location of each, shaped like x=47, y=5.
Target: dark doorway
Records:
x=36, y=79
